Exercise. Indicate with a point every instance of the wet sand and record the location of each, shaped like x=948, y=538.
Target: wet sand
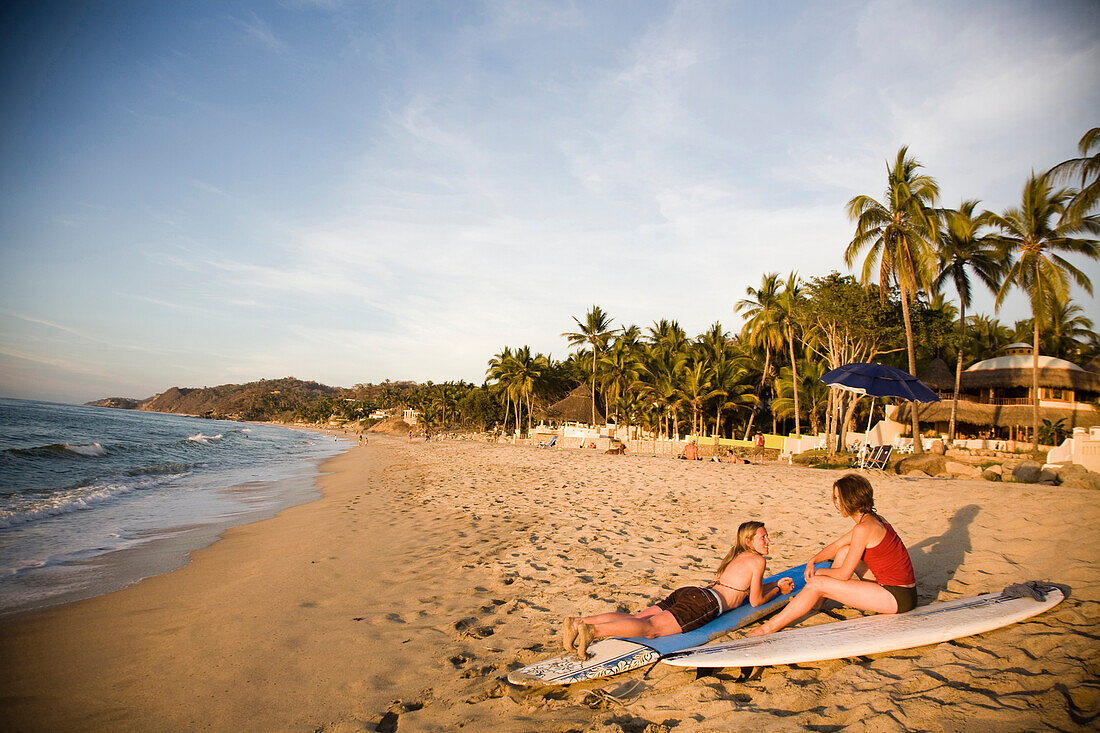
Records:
x=426, y=572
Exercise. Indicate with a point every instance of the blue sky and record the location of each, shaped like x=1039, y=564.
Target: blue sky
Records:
x=207, y=192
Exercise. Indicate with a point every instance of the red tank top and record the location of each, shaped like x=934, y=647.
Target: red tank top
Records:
x=889, y=560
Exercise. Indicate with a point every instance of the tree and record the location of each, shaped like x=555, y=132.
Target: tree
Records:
x=524, y=378
x=847, y=323
x=499, y=372
x=696, y=388
x=790, y=303
x=661, y=377
x=763, y=327
x=620, y=371
x=731, y=389
x=1068, y=332
x=1035, y=235
x=1087, y=169
x=987, y=337
x=814, y=392
x=964, y=247
x=594, y=331
x=899, y=237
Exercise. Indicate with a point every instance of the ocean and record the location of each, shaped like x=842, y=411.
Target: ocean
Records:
x=93, y=499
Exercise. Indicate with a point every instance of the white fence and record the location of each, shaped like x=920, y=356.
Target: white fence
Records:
x=1083, y=448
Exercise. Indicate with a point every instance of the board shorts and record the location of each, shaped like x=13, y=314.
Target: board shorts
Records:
x=906, y=597
x=691, y=607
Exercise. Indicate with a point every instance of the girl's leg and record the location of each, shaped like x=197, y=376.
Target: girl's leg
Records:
x=662, y=623
x=603, y=618
x=861, y=594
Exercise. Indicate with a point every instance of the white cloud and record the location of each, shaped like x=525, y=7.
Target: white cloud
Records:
x=259, y=30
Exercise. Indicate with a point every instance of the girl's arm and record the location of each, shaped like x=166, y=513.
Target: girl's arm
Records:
x=828, y=553
x=858, y=537
x=759, y=593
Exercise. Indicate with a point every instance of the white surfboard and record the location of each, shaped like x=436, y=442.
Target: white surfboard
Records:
x=613, y=656
x=931, y=624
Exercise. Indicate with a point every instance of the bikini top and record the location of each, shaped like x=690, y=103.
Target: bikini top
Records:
x=718, y=582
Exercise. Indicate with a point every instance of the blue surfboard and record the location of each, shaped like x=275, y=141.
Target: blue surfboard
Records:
x=616, y=655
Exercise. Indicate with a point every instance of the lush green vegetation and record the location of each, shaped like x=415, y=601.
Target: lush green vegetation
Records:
x=914, y=255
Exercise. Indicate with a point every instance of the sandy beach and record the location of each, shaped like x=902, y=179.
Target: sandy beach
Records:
x=426, y=572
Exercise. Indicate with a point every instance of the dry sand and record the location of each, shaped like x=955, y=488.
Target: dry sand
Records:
x=428, y=571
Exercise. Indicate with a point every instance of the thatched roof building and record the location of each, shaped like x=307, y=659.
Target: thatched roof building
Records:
x=1076, y=378
x=1002, y=416
x=576, y=407
x=938, y=376
x=997, y=392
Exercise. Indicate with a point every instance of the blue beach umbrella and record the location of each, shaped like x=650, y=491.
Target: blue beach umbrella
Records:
x=879, y=380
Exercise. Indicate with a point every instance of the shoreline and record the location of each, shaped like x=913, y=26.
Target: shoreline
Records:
x=169, y=547
x=426, y=571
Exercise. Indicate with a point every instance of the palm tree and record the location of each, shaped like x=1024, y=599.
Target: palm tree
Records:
x=763, y=327
x=695, y=389
x=964, y=247
x=620, y=371
x=815, y=392
x=1085, y=167
x=1035, y=234
x=594, y=331
x=899, y=237
x=498, y=372
x=790, y=301
x=661, y=384
x=731, y=388
x=1068, y=331
x=987, y=336
x=527, y=369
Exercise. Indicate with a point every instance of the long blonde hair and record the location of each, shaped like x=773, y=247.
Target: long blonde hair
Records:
x=743, y=543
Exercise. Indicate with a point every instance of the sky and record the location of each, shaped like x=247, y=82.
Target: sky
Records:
x=208, y=192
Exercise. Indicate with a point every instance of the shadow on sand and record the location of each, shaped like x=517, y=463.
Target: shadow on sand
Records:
x=936, y=559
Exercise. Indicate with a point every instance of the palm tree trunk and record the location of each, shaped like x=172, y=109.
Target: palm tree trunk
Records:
x=593, y=384
x=1035, y=384
x=794, y=384
x=958, y=375
x=918, y=444
x=760, y=392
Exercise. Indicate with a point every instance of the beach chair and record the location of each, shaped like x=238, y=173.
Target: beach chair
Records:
x=879, y=457
x=549, y=443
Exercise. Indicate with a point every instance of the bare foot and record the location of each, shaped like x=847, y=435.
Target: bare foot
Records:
x=569, y=632
x=584, y=638
x=759, y=631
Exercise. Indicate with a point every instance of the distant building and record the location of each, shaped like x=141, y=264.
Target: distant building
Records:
x=410, y=416
x=995, y=394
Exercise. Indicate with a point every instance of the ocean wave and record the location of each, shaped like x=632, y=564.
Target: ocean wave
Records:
x=180, y=469
x=29, y=509
x=204, y=439
x=93, y=450
x=85, y=450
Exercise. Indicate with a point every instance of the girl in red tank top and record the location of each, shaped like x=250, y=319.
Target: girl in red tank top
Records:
x=871, y=551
